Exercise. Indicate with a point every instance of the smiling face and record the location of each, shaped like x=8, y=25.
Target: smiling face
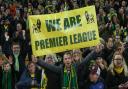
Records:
x=118, y=61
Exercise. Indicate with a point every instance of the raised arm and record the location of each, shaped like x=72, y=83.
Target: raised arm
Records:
x=53, y=68
x=93, y=54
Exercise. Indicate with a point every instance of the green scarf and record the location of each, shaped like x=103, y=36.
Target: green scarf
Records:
x=70, y=80
x=16, y=62
x=6, y=80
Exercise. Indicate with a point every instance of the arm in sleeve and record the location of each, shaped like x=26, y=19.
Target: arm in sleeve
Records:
x=53, y=68
x=90, y=56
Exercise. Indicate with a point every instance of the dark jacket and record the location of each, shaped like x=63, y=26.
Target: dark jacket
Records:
x=107, y=53
x=103, y=73
x=6, y=45
x=24, y=43
x=113, y=81
x=60, y=69
x=13, y=82
x=26, y=80
x=0, y=77
x=53, y=81
x=100, y=84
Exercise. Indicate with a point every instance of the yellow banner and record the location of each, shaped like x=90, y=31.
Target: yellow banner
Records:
x=53, y=33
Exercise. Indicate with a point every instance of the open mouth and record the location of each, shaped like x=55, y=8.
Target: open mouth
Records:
x=68, y=64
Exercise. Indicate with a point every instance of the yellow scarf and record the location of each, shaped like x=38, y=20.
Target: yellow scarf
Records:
x=119, y=70
x=43, y=80
x=6, y=27
x=33, y=75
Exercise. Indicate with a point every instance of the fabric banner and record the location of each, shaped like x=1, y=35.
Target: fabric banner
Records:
x=53, y=33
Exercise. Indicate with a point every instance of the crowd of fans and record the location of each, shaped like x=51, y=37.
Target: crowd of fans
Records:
x=104, y=66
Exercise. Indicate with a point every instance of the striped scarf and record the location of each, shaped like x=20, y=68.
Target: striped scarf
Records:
x=70, y=79
x=43, y=80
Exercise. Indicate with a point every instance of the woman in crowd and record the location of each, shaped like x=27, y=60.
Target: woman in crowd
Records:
x=77, y=56
x=117, y=77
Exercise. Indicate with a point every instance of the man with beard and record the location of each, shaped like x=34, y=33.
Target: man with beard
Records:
x=17, y=62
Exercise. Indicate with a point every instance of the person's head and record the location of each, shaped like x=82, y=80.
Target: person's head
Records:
x=117, y=27
x=67, y=59
x=99, y=60
x=29, y=5
x=7, y=11
x=49, y=3
x=75, y=5
x=117, y=39
x=118, y=59
x=50, y=59
x=119, y=46
x=33, y=58
x=110, y=43
x=114, y=19
x=101, y=11
x=16, y=48
x=91, y=63
x=123, y=4
x=31, y=67
x=77, y=55
x=94, y=73
x=118, y=62
x=6, y=66
x=1, y=59
x=2, y=8
x=98, y=48
x=121, y=11
x=18, y=27
x=97, y=3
